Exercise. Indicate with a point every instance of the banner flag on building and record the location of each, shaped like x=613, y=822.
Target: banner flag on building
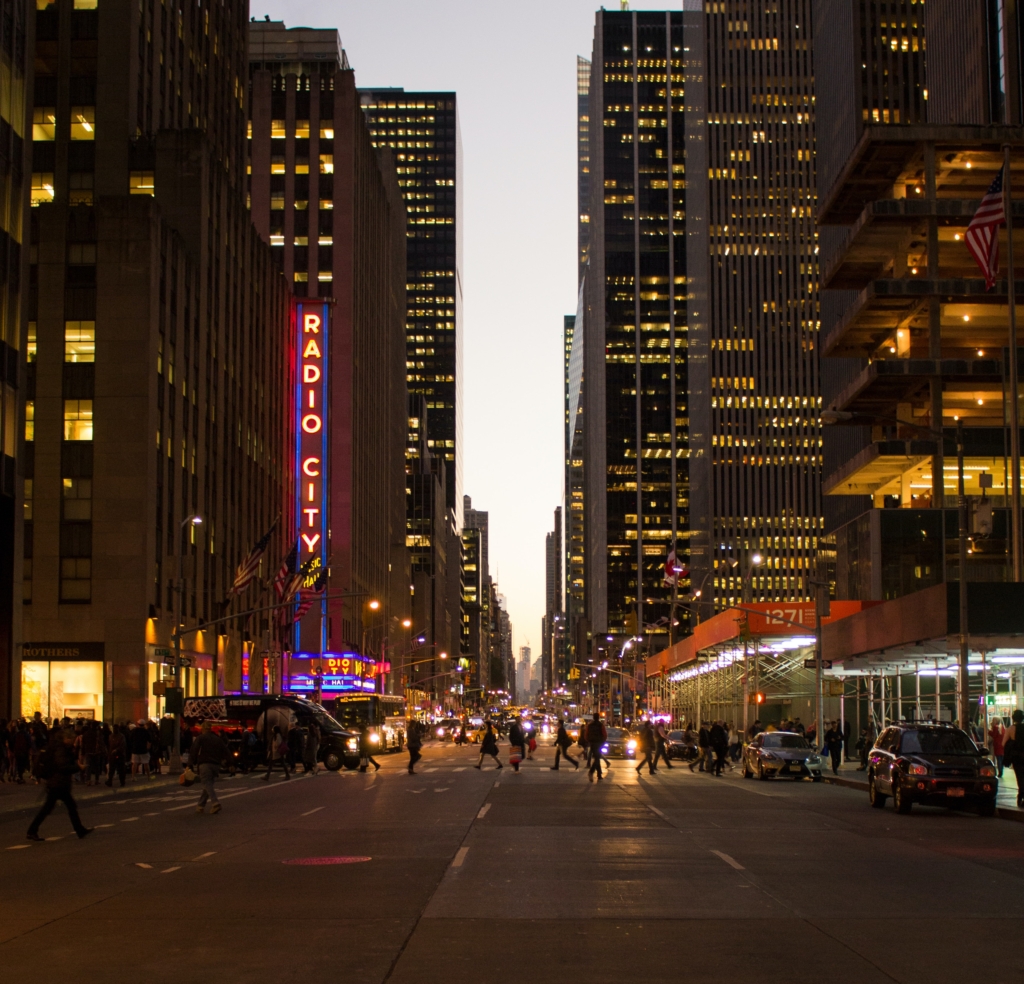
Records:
x=307, y=596
x=673, y=569
x=251, y=564
x=982, y=236
x=287, y=572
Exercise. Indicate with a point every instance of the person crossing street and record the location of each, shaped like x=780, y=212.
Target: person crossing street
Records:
x=207, y=754
x=645, y=747
x=562, y=743
x=597, y=735
x=57, y=765
x=661, y=746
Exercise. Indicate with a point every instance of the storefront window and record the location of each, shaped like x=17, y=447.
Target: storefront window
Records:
x=62, y=689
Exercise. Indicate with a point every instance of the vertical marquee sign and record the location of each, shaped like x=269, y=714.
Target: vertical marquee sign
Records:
x=311, y=421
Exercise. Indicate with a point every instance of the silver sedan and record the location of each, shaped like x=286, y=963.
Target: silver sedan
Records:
x=781, y=753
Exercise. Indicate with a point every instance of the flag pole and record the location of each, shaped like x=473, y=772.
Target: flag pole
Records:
x=1015, y=516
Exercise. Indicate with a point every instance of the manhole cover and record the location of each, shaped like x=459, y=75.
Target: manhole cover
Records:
x=317, y=861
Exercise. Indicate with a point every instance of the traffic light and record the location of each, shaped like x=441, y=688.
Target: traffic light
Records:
x=757, y=698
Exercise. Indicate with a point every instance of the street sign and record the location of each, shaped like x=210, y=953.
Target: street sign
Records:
x=810, y=664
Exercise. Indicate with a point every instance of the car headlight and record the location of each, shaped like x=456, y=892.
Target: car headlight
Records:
x=604, y=749
x=631, y=745
x=914, y=769
x=375, y=738
x=814, y=760
x=440, y=732
x=352, y=744
x=987, y=770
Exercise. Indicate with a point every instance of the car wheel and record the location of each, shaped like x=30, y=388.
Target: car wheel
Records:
x=987, y=807
x=352, y=764
x=877, y=799
x=900, y=801
x=761, y=774
x=332, y=761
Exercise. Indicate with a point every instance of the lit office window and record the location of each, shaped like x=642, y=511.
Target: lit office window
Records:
x=44, y=123
x=78, y=420
x=79, y=341
x=83, y=122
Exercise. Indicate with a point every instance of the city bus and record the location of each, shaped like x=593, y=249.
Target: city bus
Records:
x=383, y=713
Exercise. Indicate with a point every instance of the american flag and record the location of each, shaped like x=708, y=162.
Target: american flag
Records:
x=248, y=568
x=284, y=576
x=307, y=596
x=983, y=233
x=290, y=588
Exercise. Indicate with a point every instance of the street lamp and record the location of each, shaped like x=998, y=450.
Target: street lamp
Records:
x=938, y=491
x=175, y=762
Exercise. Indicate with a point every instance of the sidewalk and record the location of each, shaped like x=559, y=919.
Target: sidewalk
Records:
x=1006, y=799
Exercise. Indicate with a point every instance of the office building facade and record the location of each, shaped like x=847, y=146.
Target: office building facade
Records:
x=421, y=129
x=327, y=202
x=633, y=357
x=159, y=371
x=17, y=32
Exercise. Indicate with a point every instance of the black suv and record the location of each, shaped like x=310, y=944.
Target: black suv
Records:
x=930, y=763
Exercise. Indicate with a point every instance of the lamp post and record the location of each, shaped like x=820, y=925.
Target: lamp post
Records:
x=938, y=489
x=175, y=762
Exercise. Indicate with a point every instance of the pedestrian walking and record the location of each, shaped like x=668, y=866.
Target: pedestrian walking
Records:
x=517, y=743
x=597, y=735
x=834, y=745
x=562, y=744
x=311, y=748
x=206, y=756
x=864, y=746
x=366, y=750
x=996, y=732
x=645, y=748
x=56, y=766
x=718, y=742
x=661, y=746
x=414, y=742
x=489, y=746
x=1013, y=752
x=138, y=742
x=277, y=754
x=461, y=739
x=117, y=756
x=703, y=744
x=581, y=740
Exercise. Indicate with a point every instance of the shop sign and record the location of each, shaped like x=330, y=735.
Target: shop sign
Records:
x=311, y=424
x=332, y=672
x=47, y=651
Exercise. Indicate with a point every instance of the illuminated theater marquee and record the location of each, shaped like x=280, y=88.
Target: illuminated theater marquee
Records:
x=311, y=324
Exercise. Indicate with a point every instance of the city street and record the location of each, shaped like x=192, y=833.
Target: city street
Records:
x=460, y=876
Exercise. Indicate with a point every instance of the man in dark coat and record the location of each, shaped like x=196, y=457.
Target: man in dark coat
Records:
x=57, y=765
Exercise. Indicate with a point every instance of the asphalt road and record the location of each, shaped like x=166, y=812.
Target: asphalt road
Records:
x=543, y=878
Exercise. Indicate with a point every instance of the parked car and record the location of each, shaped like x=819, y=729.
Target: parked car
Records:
x=620, y=744
x=781, y=753
x=931, y=763
x=677, y=747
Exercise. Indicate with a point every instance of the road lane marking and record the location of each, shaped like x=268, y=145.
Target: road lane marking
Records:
x=497, y=784
x=129, y=819
x=208, y=854
x=430, y=770
x=167, y=871
x=460, y=856
x=311, y=812
x=53, y=838
x=142, y=864
x=483, y=811
x=461, y=768
x=151, y=814
x=19, y=847
x=729, y=861
x=171, y=809
x=443, y=789
x=103, y=825
x=654, y=809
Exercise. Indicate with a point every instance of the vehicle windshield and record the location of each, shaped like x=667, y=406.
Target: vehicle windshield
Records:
x=785, y=741
x=676, y=735
x=353, y=715
x=616, y=734
x=932, y=741
x=324, y=721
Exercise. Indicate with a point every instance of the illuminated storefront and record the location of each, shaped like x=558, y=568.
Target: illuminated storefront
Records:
x=311, y=449
x=334, y=672
x=63, y=680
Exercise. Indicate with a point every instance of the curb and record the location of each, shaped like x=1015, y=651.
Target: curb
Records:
x=1002, y=812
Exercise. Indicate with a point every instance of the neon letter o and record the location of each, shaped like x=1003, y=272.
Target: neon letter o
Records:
x=311, y=423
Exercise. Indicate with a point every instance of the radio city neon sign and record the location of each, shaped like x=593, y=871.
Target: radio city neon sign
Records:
x=311, y=325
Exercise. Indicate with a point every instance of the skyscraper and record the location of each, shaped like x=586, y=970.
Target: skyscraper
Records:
x=552, y=624
x=158, y=386
x=633, y=368
x=422, y=131
x=17, y=23
x=328, y=203
x=752, y=306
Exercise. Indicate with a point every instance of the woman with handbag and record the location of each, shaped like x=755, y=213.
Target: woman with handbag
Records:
x=489, y=746
x=517, y=742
